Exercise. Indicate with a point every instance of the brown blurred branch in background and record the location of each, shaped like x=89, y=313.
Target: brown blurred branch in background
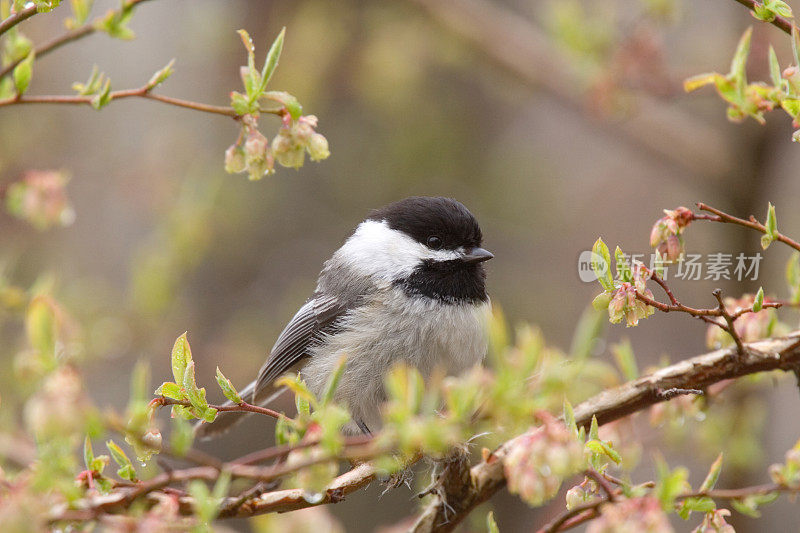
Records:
x=487, y=477
x=520, y=47
x=72, y=35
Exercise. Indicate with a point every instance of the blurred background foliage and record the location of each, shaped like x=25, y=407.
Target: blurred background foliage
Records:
x=550, y=136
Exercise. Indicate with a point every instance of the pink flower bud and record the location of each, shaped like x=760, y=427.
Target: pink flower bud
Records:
x=152, y=439
x=255, y=148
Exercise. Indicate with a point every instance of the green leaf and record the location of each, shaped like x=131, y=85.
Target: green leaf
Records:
x=702, y=505
x=569, y=417
x=793, y=276
x=126, y=470
x=713, y=475
x=181, y=356
x=626, y=360
x=302, y=404
x=758, y=304
x=774, y=68
x=271, y=62
x=588, y=330
x=172, y=390
x=103, y=97
x=739, y=62
x=701, y=80
x=227, y=388
x=795, y=45
x=40, y=326
x=491, y=525
x=601, y=301
x=594, y=429
x=241, y=104
x=88, y=453
x=197, y=396
x=670, y=483
x=80, y=12
x=772, y=224
x=23, y=73
x=159, y=77
x=298, y=387
x=601, y=264
x=333, y=381
x=623, y=267
x=182, y=436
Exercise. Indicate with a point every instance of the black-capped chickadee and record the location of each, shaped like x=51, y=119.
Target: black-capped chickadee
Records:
x=408, y=286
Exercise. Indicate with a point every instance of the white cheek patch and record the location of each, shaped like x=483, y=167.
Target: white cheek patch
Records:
x=381, y=252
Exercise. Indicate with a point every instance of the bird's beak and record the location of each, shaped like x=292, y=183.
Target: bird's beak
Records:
x=476, y=255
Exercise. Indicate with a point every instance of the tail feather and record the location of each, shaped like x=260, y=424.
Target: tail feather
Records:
x=227, y=419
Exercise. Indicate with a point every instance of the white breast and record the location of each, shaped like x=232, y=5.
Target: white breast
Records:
x=392, y=328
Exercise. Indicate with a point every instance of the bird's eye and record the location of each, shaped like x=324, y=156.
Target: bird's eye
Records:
x=434, y=242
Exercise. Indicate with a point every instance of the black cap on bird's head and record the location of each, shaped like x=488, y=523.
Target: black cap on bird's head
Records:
x=437, y=222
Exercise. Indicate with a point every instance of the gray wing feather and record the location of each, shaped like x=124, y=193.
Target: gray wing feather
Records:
x=316, y=318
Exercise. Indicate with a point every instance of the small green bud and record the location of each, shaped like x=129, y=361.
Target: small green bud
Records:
x=235, y=160
x=318, y=147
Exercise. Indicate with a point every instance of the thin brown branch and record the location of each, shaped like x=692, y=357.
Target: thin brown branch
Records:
x=141, y=92
x=521, y=48
x=700, y=372
x=780, y=22
x=752, y=223
x=242, y=407
x=16, y=18
x=611, y=493
x=729, y=320
x=72, y=35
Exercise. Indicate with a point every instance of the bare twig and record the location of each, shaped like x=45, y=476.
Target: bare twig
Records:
x=521, y=48
x=752, y=223
x=16, y=18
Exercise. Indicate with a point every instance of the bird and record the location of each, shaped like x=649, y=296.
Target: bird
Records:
x=408, y=286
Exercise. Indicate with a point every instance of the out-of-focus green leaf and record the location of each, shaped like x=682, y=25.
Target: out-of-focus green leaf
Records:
x=23, y=73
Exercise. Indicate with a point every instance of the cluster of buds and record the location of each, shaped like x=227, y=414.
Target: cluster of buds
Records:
x=295, y=138
x=257, y=156
x=624, y=304
x=666, y=236
x=749, y=327
x=41, y=199
x=714, y=522
x=788, y=474
x=635, y=515
x=540, y=459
